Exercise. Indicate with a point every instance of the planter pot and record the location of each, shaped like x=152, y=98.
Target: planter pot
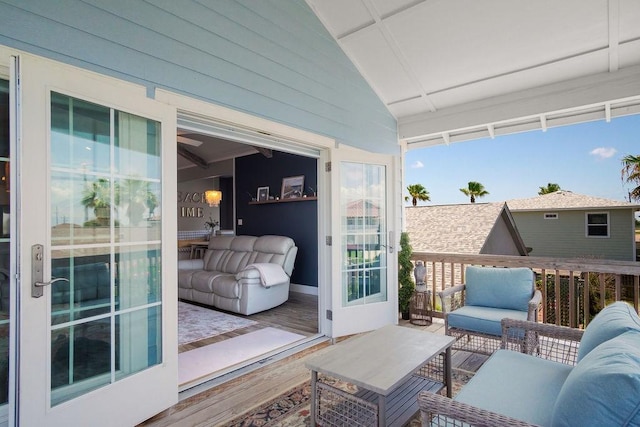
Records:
x=406, y=315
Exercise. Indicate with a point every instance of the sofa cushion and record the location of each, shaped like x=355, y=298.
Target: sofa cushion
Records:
x=612, y=321
x=510, y=288
x=517, y=385
x=604, y=387
x=482, y=319
x=226, y=285
x=273, y=244
x=202, y=280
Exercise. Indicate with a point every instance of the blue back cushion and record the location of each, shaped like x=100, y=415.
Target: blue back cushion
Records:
x=613, y=320
x=604, y=387
x=509, y=288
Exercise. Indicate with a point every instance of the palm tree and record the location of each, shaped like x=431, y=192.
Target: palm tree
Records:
x=138, y=195
x=97, y=195
x=631, y=174
x=417, y=192
x=475, y=189
x=550, y=188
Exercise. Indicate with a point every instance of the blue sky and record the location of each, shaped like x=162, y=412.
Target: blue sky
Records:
x=583, y=158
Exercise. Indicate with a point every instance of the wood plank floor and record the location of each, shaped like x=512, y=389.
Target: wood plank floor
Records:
x=299, y=314
x=226, y=401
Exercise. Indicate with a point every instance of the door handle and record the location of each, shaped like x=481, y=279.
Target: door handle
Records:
x=37, y=264
x=57, y=279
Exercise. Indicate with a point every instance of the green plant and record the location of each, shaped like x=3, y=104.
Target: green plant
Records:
x=97, y=196
x=406, y=286
x=211, y=224
x=138, y=195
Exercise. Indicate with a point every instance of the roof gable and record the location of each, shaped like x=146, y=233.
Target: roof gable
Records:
x=456, y=228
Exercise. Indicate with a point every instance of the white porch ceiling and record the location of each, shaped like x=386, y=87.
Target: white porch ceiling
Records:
x=451, y=70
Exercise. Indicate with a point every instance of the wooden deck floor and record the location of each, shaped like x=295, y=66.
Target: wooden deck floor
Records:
x=226, y=401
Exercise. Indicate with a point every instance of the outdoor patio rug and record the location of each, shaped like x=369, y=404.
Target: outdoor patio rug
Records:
x=196, y=323
x=292, y=409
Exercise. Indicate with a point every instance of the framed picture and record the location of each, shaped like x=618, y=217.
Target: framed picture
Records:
x=292, y=187
x=263, y=194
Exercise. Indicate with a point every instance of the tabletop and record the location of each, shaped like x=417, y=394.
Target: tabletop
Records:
x=382, y=359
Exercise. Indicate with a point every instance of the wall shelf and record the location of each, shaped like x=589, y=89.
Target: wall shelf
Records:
x=296, y=199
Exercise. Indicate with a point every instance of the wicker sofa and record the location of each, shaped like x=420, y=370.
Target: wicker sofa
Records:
x=551, y=375
x=242, y=274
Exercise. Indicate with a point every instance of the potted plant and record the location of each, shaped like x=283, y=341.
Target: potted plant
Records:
x=211, y=224
x=97, y=196
x=406, y=286
x=138, y=196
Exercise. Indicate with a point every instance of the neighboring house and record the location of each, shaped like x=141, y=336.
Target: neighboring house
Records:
x=567, y=225
x=475, y=228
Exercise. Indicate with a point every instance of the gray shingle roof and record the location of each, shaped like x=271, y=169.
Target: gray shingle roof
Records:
x=451, y=228
x=562, y=200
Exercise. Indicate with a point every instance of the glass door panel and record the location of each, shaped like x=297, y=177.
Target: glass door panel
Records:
x=105, y=186
x=364, y=231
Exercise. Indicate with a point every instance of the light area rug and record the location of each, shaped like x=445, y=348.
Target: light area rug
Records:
x=196, y=323
x=202, y=362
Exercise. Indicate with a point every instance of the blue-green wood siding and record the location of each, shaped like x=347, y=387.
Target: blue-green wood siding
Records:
x=565, y=237
x=269, y=58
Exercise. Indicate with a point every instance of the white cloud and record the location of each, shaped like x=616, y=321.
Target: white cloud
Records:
x=417, y=165
x=603, y=152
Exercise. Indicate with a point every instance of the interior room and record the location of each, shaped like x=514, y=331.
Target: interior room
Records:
x=263, y=192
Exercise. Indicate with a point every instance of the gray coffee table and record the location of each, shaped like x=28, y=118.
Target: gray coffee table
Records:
x=384, y=365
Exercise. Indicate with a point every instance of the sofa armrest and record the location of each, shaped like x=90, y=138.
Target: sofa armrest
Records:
x=450, y=292
x=438, y=410
x=191, y=264
x=268, y=274
x=534, y=305
x=551, y=342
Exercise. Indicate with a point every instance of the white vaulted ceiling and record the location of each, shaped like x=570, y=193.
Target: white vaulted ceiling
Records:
x=458, y=69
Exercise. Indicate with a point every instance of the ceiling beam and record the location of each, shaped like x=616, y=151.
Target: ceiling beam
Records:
x=392, y=43
x=614, y=34
x=569, y=94
x=264, y=151
x=193, y=158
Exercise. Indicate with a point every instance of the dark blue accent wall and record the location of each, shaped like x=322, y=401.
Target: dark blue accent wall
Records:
x=298, y=220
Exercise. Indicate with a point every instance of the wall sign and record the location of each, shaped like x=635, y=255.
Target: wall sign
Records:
x=191, y=197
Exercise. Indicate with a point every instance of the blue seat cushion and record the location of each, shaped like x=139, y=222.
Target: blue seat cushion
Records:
x=516, y=385
x=604, y=387
x=613, y=320
x=509, y=288
x=482, y=319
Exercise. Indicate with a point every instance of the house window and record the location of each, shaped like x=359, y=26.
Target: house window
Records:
x=551, y=216
x=598, y=224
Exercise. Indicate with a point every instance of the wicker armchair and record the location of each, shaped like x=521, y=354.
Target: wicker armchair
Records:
x=556, y=343
x=472, y=311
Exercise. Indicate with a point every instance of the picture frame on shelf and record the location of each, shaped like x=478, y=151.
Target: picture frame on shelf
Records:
x=292, y=187
x=263, y=194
